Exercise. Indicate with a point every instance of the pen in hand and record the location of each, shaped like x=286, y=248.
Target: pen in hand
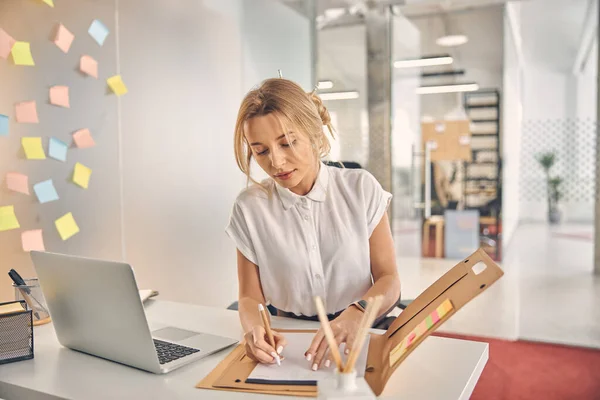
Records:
x=265, y=319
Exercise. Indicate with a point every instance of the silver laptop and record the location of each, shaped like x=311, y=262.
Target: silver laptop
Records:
x=96, y=309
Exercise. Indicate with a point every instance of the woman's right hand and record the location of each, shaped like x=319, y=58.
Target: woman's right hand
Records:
x=258, y=348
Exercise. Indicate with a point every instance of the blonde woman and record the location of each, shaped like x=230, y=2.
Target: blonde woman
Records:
x=309, y=229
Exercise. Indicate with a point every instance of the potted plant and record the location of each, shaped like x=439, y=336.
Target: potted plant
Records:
x=547, y=161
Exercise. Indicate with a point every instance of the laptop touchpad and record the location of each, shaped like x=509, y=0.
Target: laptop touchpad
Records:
x=173, y=334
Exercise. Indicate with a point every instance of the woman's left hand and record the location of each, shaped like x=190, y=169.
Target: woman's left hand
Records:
x=344, y=328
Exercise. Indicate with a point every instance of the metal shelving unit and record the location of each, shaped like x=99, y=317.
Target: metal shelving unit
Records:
x=488, y=156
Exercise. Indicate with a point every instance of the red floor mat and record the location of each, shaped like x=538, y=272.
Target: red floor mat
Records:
x=524, y=370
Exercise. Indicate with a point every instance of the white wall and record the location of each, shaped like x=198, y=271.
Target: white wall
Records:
x=164, y=175
x=559, y=110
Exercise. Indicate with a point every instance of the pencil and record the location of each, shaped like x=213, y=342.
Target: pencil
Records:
x=363, y=330
x=333, y=346
x=265, y=320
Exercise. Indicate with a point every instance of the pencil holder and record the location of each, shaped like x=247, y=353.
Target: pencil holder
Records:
x=32, y=294
x=344, y=386
x=16, y=333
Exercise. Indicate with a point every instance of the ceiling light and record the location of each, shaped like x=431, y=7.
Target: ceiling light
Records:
x=424, y=62
x=325, y=85
x=451, y=40
x=339, y=95
x=462, y=87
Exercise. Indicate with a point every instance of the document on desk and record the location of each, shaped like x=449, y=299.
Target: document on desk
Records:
x=295, y=370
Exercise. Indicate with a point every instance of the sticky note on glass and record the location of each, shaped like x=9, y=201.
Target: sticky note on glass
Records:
x=6, y=43
x=33, y=240
x=50, y=3
x=59, y=96
x=8, y=219
x=21, y=52
x=45, y=191
x=83, y=139
x=57, y=149
x=26, y=112
x=63, y=38
x=89, y=66
x=98, y=31
x=81, y=175
x=66, y=226
x=33, y=148
x=117, y=85
x=3, y=125
x=17, y=182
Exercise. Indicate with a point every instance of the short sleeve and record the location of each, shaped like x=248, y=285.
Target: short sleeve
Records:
x=238, y=231
x=376, y=199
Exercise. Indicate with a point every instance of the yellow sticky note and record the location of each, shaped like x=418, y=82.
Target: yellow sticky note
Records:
x=49, y=2
x=444, y=308
x=33, y=240
x=81, y=175
x=33, y=148
x=21, y=53
x=8, y=219
x=117, y=85
x=66, y=226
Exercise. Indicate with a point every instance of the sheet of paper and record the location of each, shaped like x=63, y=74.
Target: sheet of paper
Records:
x=6, y=44
x=66, y=226
x=3, y=125
x=57, y=149
x=33, y=240
x=11, y=308
x=83, y=139
x=64, y=38
x=45, y=191
x=33, y=148
x=59, y=96
x=81, y=175
x=295, y=368
x=98, y=31
x=89, y=66
x=49, y=2
x=117, y=85
x=26, y=112
x=21, y=53
x=17, y=182
x=8, y=219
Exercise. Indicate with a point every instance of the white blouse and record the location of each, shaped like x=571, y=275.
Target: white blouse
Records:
x=313, y=245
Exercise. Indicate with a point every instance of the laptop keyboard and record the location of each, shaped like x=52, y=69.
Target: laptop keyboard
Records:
x=168, y=352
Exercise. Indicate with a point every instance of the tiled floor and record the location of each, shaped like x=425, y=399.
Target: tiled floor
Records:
x=548, y=293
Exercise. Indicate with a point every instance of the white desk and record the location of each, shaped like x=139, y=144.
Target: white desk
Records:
x=439, y=369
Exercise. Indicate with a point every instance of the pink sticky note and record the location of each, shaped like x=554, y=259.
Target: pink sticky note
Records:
x=63, y=38
x=6, y=43
x=89, y=66
x=59, y=96
x=435, y=317
x=17, y=182
x=83, y=139
x=411, y=338
x=33, y=240
x=26, y=112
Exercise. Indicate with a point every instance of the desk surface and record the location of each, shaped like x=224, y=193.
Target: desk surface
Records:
x=439, y=369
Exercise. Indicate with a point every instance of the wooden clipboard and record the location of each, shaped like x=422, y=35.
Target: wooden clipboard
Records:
x=459, y=285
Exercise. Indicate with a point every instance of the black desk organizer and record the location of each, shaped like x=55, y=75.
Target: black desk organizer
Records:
x=16, y=335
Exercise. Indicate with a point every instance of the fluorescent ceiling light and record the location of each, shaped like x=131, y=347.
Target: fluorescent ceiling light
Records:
x=452, y=40
x=325, y=85
x=424, y=62
x=462, y=87
x=339, y=95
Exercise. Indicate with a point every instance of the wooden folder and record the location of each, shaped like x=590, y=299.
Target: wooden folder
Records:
x=460, y=285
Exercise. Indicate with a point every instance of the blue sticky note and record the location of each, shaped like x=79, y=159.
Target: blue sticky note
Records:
x=98, y=31
x=45, y=191
x=57, y=149
x=3, y=125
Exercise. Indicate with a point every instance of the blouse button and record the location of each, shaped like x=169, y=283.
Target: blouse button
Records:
x=306, y=217
x=314, y=247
